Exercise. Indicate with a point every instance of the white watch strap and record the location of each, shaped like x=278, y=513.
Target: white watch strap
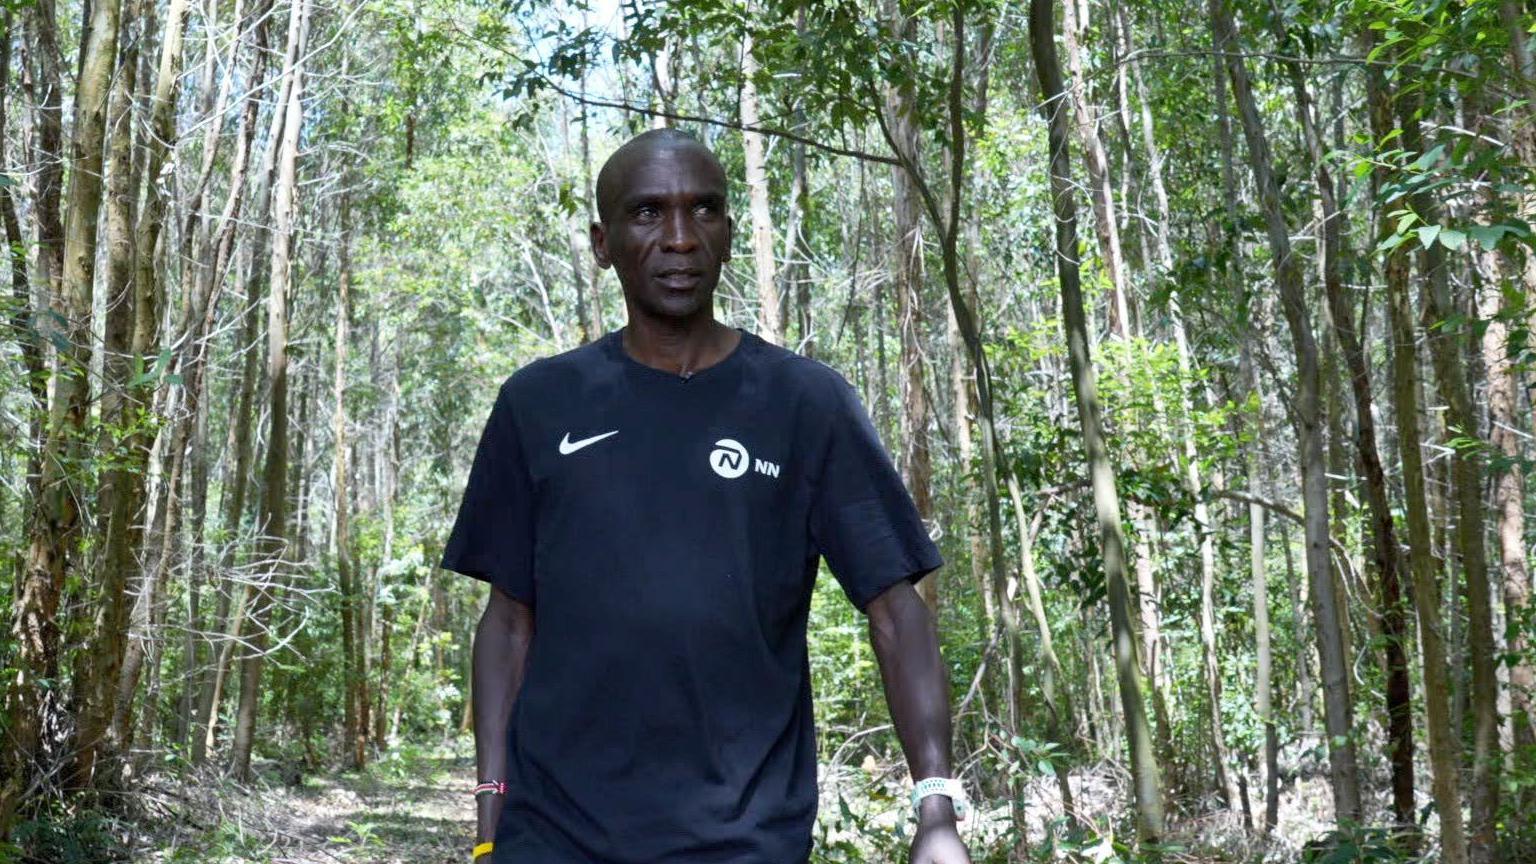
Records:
x=942, y=786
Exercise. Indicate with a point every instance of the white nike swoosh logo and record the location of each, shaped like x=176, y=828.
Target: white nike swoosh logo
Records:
x=567, y=446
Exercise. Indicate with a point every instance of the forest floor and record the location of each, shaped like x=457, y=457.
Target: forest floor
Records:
x=410, y=807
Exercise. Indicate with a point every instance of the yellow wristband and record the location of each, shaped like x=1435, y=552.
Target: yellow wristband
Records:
x=482, y=849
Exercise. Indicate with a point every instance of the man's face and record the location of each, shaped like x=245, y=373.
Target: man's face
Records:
x=666, y=232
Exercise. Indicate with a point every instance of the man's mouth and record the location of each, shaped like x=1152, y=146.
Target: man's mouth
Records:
x=679, y=277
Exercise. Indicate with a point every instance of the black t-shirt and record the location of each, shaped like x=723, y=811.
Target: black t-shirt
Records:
x=666, y=533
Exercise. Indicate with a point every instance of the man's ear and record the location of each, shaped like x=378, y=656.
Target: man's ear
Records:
x=730, y=238
x=599, y=240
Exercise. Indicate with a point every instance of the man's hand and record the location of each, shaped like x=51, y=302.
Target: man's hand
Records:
x=937, y=841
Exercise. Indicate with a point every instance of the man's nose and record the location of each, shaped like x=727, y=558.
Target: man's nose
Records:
x=677, y=232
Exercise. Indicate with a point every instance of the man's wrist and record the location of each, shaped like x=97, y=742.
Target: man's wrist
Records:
x=936, y=810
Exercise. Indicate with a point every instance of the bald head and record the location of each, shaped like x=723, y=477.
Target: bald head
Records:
x=615, y=173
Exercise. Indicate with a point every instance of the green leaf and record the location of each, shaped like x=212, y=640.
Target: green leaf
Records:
x=7, y=180
x=1452, y=239
x=1427, y=235
x=1487, y=236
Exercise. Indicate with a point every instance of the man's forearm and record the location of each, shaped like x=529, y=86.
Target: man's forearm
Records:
x=906, y=644
x=499, y=655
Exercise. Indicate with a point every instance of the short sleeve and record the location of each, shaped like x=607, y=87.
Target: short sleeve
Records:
x=863, y=520
x=492, y=538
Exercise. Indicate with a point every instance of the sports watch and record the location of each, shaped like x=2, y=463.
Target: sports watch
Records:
x=942, y=786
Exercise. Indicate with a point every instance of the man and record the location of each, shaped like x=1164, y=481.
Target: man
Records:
x=649, y=510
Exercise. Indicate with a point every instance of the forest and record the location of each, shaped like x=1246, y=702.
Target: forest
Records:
x=1200, y=332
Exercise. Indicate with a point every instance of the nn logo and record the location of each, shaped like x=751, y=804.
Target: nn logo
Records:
x=729, y=459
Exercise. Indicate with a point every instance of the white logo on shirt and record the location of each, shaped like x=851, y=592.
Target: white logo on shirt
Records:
x=729, y=458
x=567, y=446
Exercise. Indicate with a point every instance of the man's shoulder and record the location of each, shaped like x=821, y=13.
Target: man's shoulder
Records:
x=549, y=374
x=806, y=376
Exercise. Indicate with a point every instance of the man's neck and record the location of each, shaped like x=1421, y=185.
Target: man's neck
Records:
x=681, y=346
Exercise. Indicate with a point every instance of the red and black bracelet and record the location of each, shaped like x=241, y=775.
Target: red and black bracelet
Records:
x=491, y=787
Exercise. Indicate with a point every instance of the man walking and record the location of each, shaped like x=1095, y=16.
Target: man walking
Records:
x=649, y=510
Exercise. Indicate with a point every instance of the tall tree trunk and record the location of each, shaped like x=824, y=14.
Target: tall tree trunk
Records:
x=1101, y=189
x=1445, y=348
x=1263, y=695
x=149, y=289
x=916, y=457
x=1338, y=709
x=54, y=525
x=96, y=677
x=122, y=657
x=356, y=736
x=42, y=36
x=273, y=521
x=211, y=683
x=1508, y=504
x=1058, y=702
x=21, y=286
x=770, y=318
x=1144, y=770
x=1384, y=544
x=1443, y=755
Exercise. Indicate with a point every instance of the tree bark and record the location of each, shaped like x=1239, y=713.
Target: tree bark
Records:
x=1443, y=747
x=1445, y=349
x=53, y=530
x=1508, y=505
x=1263, y=696
x=770, y=318
x=149, y=291
x=916, y=458
x=1343, y=770
x=121, y=402
x=356, y=736
x=1384, y=543
x=1144, y=770
x=1101, y=189
x=1058, y=702
x=23, y=319
x=273, y=520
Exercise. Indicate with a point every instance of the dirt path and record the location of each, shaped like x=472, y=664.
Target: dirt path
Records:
x=411, y=809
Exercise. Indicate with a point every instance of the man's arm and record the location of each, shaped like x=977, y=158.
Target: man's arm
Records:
x=500, y=651
x=917, y=689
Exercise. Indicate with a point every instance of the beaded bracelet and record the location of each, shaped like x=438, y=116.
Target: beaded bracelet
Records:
x=491, y=787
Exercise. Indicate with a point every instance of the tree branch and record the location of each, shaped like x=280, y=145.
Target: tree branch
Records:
x=727, y=124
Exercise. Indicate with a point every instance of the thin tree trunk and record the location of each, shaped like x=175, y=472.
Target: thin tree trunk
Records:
x=21, y=286
x=54, y=525
x=1097, y=162
x=1443, y=748
x=356, y=736
x=96, y=677
x=770, y=319
x=916, y=457
x=273, y=521
x=1144, y=770
x=211, y=684
x=1344, y=773
x=1446, y=346
x=1384, y=544
x=1508, y=503
x=1058, y=702
x=1263, y=696
x=149, y=290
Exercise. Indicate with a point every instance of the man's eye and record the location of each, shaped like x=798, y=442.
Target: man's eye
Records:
x=646, y=211
x=706, y=209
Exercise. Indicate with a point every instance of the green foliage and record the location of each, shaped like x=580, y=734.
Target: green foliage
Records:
x=66, y=835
